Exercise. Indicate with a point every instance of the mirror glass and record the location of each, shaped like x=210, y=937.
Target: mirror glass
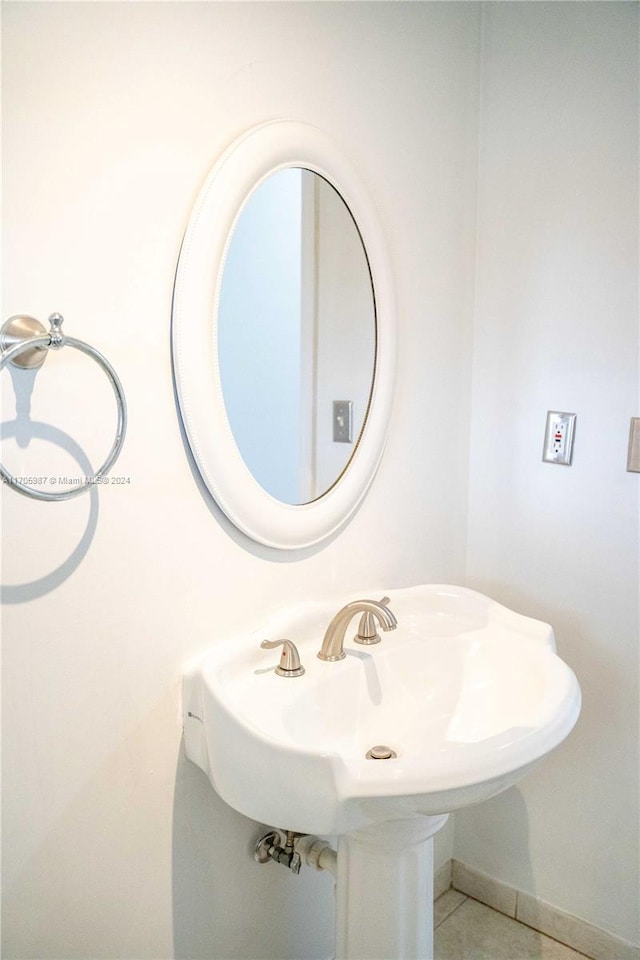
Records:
x=296, y=335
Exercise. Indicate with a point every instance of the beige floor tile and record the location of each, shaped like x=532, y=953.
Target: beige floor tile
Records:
x=444, y=906
x=476, y=932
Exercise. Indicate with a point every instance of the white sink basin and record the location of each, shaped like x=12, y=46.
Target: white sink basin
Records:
x=468, y=694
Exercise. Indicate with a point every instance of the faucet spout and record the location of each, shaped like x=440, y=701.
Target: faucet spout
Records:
x=333, y=642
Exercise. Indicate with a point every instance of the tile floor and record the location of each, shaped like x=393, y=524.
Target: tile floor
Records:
x=468, y=930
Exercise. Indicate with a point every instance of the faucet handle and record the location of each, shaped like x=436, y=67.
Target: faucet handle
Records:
x=289, y=665
x=367, y=629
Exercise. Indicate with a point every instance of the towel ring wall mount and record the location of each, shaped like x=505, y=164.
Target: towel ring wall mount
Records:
x=25, y=343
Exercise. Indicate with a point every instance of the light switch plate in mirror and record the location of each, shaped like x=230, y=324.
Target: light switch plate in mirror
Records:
x=342, y=421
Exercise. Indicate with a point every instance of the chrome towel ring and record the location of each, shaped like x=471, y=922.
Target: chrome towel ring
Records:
x=25, y=343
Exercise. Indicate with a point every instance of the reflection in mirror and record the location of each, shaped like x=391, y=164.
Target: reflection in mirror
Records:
x=296, y=332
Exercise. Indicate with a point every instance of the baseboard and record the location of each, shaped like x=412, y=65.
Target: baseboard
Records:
x=442, y=879
x=535, y=913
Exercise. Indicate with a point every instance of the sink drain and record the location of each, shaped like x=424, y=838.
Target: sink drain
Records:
x=381, y=752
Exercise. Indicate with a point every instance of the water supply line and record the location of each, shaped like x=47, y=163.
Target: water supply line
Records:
x=292, y=849
x=317, y=853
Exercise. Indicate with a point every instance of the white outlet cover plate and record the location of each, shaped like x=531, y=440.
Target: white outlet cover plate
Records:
x=633, y=455
x=558, y=437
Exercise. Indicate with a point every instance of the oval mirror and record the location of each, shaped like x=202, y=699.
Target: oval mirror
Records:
x=283, y=341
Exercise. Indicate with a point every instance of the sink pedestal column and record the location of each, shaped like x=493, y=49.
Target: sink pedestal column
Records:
x=384, y=891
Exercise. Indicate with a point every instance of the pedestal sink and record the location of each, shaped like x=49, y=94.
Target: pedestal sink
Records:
x=466, y=695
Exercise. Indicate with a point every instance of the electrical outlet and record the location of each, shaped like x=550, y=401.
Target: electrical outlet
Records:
x=633, y=454
x=558, y=437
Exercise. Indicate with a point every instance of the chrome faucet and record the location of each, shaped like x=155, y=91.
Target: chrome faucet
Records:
x=333, y=643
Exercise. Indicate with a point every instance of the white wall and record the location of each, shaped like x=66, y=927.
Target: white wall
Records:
x=557, y=328
x=114, y=845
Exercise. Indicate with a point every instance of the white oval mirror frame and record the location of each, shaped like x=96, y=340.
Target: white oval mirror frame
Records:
x=249, y=160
